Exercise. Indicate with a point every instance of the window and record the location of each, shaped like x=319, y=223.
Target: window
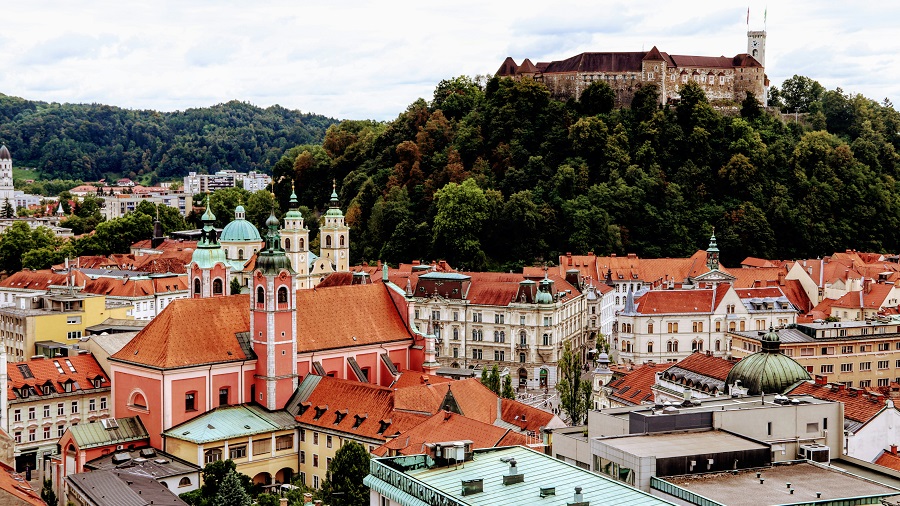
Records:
x=103, y=403
x=73, y=320
x=60, y=430
x=883, y=364
x=46, y=411
x=828, y=350
x=92, y=404
x=285, y=442
x=316, y=481
x=476, y=354
x=217, y=286
x=521, y=358
x=302, y=457
x=865, y=383
x=698, y=326
x=846, y=367
x=190, y=401
x=846, y=349
x=31, y=413
x=237, y=452
x=769, y=428
x=262, y=446
x=316, y=438
x=673, y=327
x=476, y=317
x=883, y=382
x=456, y=316
x=455, y=352
x=328, y=441
x=547, y=340
x=697, y=345
x=718, y=326
x=522, y=320
x=719, y=345
x=884, y=346
x=865, y=366
x=17, y=415
x=827, y=369
x=282, y=295
x=32, y=435
x=61, y=409
x=315, y=460
x=499, y=355
x=548, y=321
x=196, y=286
x=260, y=295
x=76, y=334
x=456, y=333
x=184, y=482
x=807, y=352
x=223, y=397
x=743, y=325
x=303, y=435
x=74, y=406
x=18, y=437
x=672, y=346
x=47, y=432
x=812, y=427
x=213, y=455
x=498, y=318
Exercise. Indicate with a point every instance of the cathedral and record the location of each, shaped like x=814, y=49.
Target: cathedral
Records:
x=724, y=79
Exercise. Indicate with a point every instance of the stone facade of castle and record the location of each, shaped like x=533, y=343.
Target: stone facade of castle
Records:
x=724, y=79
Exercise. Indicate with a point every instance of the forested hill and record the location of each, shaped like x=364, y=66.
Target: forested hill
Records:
x=92, y=141
x=504, y=175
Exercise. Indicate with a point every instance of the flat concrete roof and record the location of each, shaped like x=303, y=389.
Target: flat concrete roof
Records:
x=722, y=403
x=806, y=480
x=677, y=444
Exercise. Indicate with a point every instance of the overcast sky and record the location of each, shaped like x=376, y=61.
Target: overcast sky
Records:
x=355, y=59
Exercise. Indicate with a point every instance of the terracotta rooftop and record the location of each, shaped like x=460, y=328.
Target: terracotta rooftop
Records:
x=415, y=378
x=889, y=458
x=875, y=297
x=680, y=301
x=637, y=386
x=707, y=365
x=36, y=374
x=857, y=407
x=15, y=486
x=447, y=426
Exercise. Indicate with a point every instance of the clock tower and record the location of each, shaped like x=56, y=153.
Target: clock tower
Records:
x=756, y=45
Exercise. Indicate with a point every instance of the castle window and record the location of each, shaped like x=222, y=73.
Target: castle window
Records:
x=650, y=347
x=217, y=286
x=649, y=328
x=684, y=78
x=649, y=75
x=196, y=286
x=301, y=243
x=721, y=79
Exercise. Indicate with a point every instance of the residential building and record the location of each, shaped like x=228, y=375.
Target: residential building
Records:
x=856, y=354
x=84, y=443
x=117, y=206
x=256, y=181
x=503, y=476
x=115, y=488
x=44, y=397
x=51, y=315
x=207, y=183
x=262, y=443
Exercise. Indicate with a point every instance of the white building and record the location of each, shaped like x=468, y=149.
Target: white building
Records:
x=206, y=183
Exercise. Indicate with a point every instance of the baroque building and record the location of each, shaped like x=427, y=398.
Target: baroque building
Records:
x=725, y=79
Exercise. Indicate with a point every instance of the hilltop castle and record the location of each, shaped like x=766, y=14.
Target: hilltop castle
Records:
x=721, y=77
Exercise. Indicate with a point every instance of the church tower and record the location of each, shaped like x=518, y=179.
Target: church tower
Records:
x=334, y=236
x=273, y=322
x=756, y=45
x=295, y=237
x=208, y=271
x=712, y=253
x=7, y=192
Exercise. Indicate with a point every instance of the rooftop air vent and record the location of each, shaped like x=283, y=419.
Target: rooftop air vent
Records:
x=513, y=476
x=470, y=487
x=578, y=499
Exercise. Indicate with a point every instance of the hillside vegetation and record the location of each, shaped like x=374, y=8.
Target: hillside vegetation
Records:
x=502, y=175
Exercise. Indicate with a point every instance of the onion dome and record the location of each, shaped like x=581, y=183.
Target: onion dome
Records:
x=272, y=259
x=334, y=208
x=240, y=230
x=209, y=252
x=767, y=371
x=293, y=207
x=4, y=153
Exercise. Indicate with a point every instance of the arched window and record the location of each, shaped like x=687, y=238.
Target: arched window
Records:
x=260, y=295
x=649, y=328
x=196, y=286
x=327, y=241
x=282, y=295
x=342, y=241
x=185, y=482
x=617, y=300
x=217, y=286
x=302, y=242
x=675, y=346
x=287, y=244
x=650, y=347
x=523, y=338
x=240, y=253
x=138, y=400
x=718, y=345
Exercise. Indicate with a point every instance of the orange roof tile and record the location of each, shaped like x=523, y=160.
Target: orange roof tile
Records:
x=707, y=365
x=874, y=298
x=37, y=373
x=16, y=486
x=888, y=459
x=447, y=426
x=637, y=386
x=191, y=332
x=415, y=378
x=795, y=293
x=856, y=407
x=754, y=262
x=753, y=293
x=679, y=301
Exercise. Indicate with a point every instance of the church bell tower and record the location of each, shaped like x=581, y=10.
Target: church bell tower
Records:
x=208, y=271
x=334, y=236
x=295, y=237
x=273, y=322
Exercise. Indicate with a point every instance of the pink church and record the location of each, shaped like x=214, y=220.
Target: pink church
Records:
x=215, y=349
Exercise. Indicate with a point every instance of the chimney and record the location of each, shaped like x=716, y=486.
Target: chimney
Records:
x=893, y=449
x=781, y=278
x=307, y=498
x=821, y=379
x=842, y=387
x=513, y=476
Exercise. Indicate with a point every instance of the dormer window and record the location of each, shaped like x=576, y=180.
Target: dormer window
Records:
x=383, y=425
x=67, y=386
x=339, y=416
x=98, y=381
x=359, y=420
x=302, y=407
x=47, y=389
x=320, y=410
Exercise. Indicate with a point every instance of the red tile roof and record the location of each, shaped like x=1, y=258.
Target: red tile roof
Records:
x=191, y=332
x=15, y=485
x=44, y=371
x=447, y=426
x=680, y=301
x=754, y=262
x=116, y=287
x=752, y=293
x=888, y=459
x=166, y=245
x=856, y=407
x=795, y=293
x=707, y=365
x=637, y=386
x=415, y=378
x=873, y=298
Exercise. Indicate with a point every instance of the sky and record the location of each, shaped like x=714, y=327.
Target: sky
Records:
x=370, y=60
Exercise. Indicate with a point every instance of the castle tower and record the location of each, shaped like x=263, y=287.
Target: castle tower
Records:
x=208, y=271
x=756, y=45
x=273, y=322
x=334, y=236
x=295, y=238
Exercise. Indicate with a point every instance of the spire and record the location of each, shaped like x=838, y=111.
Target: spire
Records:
x=272, y=258
x=629, y=302
x=712, y=253
x=208, y=235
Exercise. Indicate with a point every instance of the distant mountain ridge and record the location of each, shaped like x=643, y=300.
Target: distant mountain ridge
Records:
x=92, y=141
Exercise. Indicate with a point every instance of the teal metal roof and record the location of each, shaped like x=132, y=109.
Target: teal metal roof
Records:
x=539, y=471
x=445, y=275
x=240, y=230
x=207, y=256
x=230, y=422
x=124, y=430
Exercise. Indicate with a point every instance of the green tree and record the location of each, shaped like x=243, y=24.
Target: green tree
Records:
x=231, y=492
x=18, y=240
x=344, y=485
x=461, y=213
x=574, y=392
x=8, y=211
x=799, y=93
x=47, y=493
x=235, y=287
x=597, y=98
x=214, y=475
x=457, y=96
x=508, y=391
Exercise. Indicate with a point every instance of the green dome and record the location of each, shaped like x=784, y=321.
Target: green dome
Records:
x=240, y=230
x=207, y=257
x=767, y=371
x=239, y=210
x=293, y=212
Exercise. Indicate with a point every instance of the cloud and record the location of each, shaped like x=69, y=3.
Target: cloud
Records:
x=67, y=46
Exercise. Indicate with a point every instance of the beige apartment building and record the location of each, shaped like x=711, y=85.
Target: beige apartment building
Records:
x=856, y=354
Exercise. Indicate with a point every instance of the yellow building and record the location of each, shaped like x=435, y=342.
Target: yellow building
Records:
x=856, y=354
x=263, y=444
x=58, y=315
